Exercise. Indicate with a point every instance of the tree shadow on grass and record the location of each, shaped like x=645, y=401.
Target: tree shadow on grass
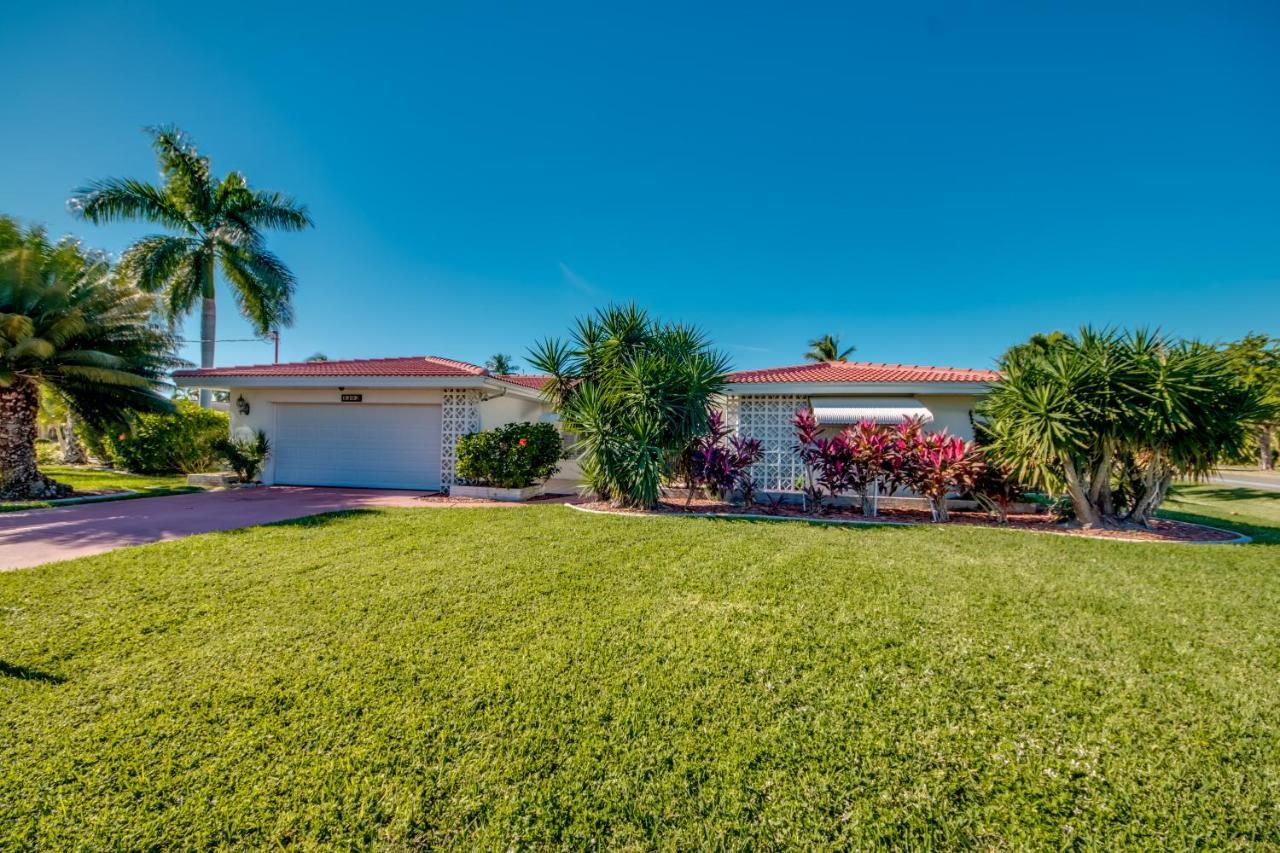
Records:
x=1213, y=492
x=23, y=673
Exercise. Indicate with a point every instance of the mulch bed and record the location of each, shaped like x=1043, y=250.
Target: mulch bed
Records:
x=1162, y=530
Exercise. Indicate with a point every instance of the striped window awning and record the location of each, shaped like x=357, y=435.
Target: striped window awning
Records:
x=881, y=410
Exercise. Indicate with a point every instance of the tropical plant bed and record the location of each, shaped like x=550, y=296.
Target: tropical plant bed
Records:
x=1162, y=530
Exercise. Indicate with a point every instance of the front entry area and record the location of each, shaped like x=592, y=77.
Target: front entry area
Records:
x=357, y=445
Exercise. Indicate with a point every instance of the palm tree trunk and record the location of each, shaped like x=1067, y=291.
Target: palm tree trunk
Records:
x=69, y=443
x=1264, y=448
x=208, y=328
x=20, y=479
x=1086, y=512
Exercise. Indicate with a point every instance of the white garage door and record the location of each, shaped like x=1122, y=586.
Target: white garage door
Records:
x=370, y=446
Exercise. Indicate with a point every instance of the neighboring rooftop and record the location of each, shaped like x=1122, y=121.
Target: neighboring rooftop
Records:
x=862, y=371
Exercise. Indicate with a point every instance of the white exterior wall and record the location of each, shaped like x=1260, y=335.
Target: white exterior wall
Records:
x=767, y=417
x=463, y=411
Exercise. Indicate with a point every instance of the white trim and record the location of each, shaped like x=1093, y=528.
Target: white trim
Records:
x=442, y=382
x=230, y=381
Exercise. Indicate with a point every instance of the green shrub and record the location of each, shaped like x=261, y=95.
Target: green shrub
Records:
x=47, y=452
x=182, y=441
x=509, y=457
x=245, y=456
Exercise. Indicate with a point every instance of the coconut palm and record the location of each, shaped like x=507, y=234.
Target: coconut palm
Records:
x=66, y=324
x=827, y=348
x=219, y=225
x=500, y=364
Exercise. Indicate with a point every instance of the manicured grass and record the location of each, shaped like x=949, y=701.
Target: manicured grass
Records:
x=1255, y=512
x=85, y=479
x=539, y=677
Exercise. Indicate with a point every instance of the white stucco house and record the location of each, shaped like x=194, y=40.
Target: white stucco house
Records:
x=394, y=422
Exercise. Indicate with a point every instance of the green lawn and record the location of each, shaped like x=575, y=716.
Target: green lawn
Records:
x=494, y=678
x=85, y=479
x=1252, y=511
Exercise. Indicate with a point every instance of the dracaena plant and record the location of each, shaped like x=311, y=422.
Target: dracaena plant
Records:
x=719, y=462
x=636, y=391
x=940, y=464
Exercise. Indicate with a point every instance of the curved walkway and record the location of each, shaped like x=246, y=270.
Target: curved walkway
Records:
x=36, y=536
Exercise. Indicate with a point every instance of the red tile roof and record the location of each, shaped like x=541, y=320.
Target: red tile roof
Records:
x=528, y=381
x=420, y=365
x=861, y=371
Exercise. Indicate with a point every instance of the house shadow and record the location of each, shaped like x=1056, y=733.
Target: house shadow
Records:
x=23, y=673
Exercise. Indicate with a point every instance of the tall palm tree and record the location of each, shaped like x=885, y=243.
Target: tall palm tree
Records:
x=219, y=224
x=68, y=325
x=827, y=348
x=500, y=364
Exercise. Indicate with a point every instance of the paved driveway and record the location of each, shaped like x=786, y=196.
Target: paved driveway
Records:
x=37, y=536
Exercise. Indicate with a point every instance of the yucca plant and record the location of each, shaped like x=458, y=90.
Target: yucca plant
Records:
x=220, y=224
x=67, y=325
x=636, y=391
x=1110, y=419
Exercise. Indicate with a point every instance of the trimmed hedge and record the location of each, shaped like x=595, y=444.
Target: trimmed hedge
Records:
x=509, y=457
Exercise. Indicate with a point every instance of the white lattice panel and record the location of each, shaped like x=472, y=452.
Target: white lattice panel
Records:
x=768, y=418
x=460, y=415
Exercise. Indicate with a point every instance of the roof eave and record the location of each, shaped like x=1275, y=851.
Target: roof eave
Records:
x=355, y=381
x=804, y=389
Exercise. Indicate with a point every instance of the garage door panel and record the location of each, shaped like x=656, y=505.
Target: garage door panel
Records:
x=367, y=446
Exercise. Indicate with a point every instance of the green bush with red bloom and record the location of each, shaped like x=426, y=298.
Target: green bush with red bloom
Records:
x=509, y=457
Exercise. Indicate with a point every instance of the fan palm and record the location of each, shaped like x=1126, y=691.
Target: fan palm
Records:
x=66, y=324
x=219, y=225
x=827, y=348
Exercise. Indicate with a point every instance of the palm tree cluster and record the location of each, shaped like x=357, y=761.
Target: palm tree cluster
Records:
x=500, y=364
x=1112, y=419
x=636, y=392
x=827, y=348
x=67, y=325
x=219, y=225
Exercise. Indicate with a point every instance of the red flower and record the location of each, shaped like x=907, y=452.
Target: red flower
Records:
x=121, y=436
x=523, y=442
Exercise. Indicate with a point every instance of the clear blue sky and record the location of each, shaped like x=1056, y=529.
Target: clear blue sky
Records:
x=932, y=182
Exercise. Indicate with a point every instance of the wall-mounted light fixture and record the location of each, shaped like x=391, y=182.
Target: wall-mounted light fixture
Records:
x=242, y=405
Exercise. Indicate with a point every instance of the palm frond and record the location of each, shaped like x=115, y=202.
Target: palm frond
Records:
x=262, y=285
x=120, y=199
x=188, y=180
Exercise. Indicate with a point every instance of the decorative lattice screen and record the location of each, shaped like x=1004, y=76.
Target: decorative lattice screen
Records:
x=460, y=415
x=768, y=418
